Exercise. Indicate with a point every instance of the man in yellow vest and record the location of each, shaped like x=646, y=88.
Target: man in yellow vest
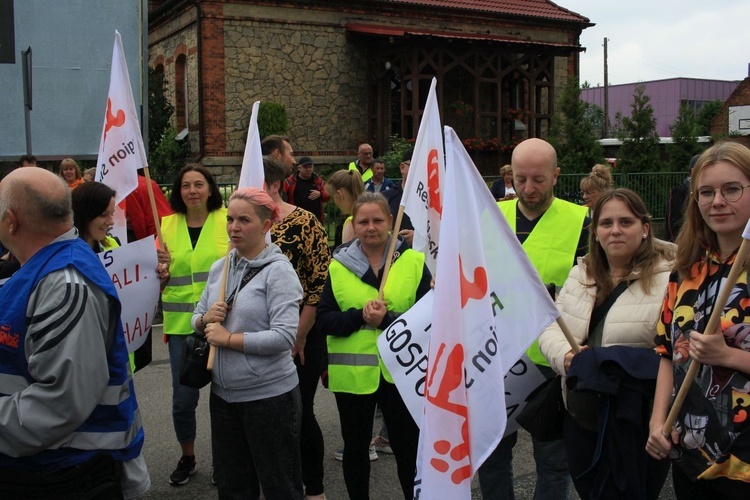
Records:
x=363, y=164
x=553, y=233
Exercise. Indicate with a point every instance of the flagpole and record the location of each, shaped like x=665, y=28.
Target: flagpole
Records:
x=222, y=296
x=391, y=250
x=713, y=322
x=568, y=335
x=151, y=199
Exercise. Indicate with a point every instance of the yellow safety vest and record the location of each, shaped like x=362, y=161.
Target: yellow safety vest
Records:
x=354, y=363
x=189, y=267
x=366, y=176
x=551, y=246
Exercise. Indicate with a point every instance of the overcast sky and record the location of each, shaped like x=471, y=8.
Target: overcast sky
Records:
x=658, y=39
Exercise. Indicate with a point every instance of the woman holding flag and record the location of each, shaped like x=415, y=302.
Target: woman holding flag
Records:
x=195, y=237
x=710, y=444
x=611, y=302
x=352, y=316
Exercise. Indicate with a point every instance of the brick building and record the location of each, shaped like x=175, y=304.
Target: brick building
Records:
x=733, y=120
x=354, y=71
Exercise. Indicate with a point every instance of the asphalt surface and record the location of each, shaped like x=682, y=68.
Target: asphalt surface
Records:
x=162, y=451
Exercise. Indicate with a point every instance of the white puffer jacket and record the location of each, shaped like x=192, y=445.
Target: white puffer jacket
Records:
x=631, y=321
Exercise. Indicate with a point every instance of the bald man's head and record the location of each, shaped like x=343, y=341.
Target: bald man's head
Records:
x=534, y=165
x=37, y=197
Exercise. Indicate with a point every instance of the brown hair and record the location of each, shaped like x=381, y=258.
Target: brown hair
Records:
x=368, y=197
x=645, y=259
x=70, y=162
x=214, y=201
x=695, y=237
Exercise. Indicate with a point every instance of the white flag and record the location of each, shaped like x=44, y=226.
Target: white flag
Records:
x=252, y=174
x=489, y=307
x=422, y=198
x=121, y=151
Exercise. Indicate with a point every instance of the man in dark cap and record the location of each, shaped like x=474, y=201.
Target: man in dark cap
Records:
x=306, y=189
x=674, y=212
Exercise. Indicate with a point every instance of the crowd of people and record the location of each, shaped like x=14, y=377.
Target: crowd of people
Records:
x=255, y=277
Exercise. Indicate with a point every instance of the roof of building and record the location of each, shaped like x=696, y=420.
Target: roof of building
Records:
x=542, y=9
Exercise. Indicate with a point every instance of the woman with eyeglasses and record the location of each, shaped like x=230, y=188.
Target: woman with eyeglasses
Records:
x=595, y=184
x=710, y=442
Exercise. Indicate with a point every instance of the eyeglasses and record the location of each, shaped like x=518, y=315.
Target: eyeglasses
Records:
x=731, y=192
x=366, y=153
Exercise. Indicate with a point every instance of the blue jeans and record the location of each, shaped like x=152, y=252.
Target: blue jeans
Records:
x=260, y=436
x=552, y=476
x=496, y=473
x=184, y=398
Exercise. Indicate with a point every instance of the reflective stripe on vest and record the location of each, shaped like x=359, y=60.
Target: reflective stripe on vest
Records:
x=189, y=267
x=551, y=246
x=354, y=363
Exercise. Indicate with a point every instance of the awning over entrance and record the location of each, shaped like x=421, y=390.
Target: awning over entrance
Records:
x=403, y=32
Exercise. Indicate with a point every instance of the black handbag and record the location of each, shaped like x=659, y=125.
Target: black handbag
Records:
x=544, y=413
x=194, y=364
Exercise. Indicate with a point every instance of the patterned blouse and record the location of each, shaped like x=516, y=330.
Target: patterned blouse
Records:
x=713, y=423
x=305, y=243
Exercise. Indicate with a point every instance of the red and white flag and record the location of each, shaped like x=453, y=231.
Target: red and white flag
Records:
x=489, y=307
x=252, y=174
x=422, y=198
x=121, y=151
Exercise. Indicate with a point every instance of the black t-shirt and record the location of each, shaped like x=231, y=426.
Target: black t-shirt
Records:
x=302, y=196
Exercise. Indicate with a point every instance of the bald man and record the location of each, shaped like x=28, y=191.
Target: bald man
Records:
x=363, y=164
x=69, y=420
x=553, y=233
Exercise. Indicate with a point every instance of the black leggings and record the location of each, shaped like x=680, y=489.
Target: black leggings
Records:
x=311, y=437
x=356, y=413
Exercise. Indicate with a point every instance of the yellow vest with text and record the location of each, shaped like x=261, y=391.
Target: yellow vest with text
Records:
x=551, y=246
x=354, y=363
x=188, y=270
x=366, y=176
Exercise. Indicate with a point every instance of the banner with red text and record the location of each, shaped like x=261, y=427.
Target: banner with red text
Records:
x=489, y=307
x=132, y=268
x=121, y=151
x=423, y=189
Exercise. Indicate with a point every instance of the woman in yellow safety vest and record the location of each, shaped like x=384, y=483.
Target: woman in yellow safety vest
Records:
x=351, y=315
x=195, y=237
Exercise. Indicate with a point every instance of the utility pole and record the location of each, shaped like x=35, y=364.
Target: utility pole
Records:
x=606, y=92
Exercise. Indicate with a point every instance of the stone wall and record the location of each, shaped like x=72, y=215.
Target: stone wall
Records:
x=312, y=71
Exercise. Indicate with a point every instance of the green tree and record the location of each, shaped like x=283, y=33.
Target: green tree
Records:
x=160, y=110
x=706, y=115
x=684, y=139
x=272, y=119
x=573, y=132
x=640, y=142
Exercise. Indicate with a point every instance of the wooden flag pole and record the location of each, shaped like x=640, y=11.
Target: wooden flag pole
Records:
x=222, y=296
x=151, y=199
x=391, y=250
x=713, y=322
x=568, y=336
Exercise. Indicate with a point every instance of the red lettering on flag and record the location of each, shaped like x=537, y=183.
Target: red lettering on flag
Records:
x=475, y=289
x=433, y=181
x=452, y=379
x=113, y=120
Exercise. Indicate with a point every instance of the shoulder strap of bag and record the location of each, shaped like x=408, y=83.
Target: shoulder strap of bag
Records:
x=250, y=274
x=595, y=337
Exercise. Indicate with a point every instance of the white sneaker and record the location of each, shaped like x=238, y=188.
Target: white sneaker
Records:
x=339, y=454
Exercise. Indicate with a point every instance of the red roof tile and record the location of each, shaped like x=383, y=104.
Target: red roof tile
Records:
x=542, y=9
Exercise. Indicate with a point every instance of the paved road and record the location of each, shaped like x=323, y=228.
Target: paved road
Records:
x=162, y=451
